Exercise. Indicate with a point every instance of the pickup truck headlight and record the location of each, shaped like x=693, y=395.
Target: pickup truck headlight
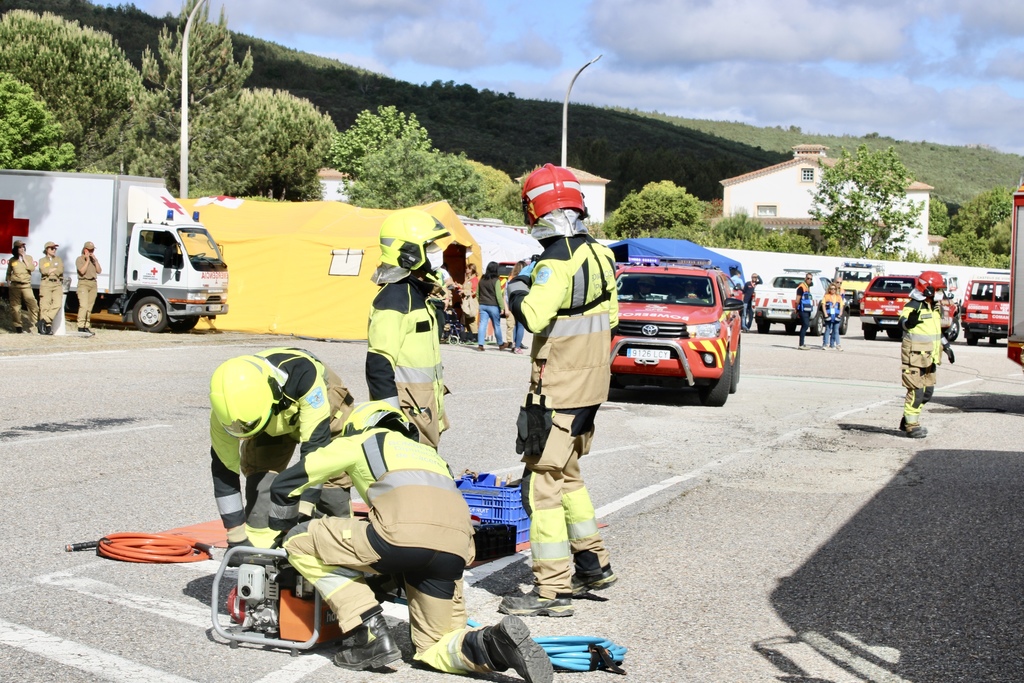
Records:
x=706, y=330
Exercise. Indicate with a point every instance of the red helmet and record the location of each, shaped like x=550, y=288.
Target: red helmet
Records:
x=548, y=188
x=929, y=282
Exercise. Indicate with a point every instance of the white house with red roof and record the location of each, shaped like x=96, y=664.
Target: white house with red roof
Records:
x=780, y=196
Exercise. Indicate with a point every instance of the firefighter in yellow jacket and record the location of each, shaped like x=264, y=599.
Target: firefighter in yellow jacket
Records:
x=262, y=405
x=403, y=362
x=418, y=528
x=922, y=348
x=568, y=301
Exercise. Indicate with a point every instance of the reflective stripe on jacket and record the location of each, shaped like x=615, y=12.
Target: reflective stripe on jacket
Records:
x=409, y=488
x=571, y=308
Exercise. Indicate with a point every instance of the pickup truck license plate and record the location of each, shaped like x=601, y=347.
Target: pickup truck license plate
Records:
x=648, y=354
x=215, y=308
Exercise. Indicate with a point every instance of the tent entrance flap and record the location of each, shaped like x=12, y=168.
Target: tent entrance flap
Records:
x=345, y=261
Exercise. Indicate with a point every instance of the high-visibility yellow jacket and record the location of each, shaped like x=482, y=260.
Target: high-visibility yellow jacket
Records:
x=571, y=308
x=922, y=343
x=403, y=362
x=409, y=488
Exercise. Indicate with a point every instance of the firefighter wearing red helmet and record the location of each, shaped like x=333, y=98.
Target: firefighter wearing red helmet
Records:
x=567, y=299
x=922, y=348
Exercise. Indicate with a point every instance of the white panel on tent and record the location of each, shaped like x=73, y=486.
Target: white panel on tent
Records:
x=503, y=245
x=345, y=261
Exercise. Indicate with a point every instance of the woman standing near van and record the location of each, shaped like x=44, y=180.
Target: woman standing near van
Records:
x=832, y=317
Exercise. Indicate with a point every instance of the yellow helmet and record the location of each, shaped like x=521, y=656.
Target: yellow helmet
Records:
x=243, y=393
x=407, y=235
x=377, y=414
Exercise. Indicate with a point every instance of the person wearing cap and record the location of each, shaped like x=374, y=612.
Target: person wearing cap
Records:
x=88, y=267
x=19, y=279
x=51, y=287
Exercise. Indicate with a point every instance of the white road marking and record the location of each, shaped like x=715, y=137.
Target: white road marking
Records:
x=862, y=408
x=65, y=354
x=101, y=664
x=185, y=613
x=297, y=669
x=83, y=432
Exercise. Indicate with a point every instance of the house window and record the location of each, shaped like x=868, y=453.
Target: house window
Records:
x=807, y=175
x=767, y=210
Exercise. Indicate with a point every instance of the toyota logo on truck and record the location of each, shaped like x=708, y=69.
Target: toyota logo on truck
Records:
x=649, y=330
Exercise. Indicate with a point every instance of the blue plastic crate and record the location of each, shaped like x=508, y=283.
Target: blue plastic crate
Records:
x=495, y=504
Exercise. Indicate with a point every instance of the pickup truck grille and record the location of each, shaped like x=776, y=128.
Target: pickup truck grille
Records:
x=635, y=328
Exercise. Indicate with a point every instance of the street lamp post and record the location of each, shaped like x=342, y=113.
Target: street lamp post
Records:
x=565, y=112
x=183, y=184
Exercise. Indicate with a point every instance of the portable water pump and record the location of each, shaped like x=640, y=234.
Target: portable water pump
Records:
x=272, y=604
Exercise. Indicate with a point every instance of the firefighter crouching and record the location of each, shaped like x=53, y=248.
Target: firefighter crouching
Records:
x=261, y=406
x=418, y=529
x=568, y=301
x=922, y=348
x=403, y=362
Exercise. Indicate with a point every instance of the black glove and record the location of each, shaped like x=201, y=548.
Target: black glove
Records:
x=235, y=544
x=533, y=426
x=948, y=350
x=279, y=540
x=912, y=319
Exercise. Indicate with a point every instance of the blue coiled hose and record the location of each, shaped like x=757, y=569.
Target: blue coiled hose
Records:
x=573, y=653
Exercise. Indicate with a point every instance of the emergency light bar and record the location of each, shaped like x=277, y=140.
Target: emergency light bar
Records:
x=669, y=261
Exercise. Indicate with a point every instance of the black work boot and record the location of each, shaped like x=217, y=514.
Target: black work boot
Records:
x=916, y=431
x=583, y=583
x=49, y=329
x=41, y=327
x=18, y=330
x=903, y=423
x=509, y=645
x=532, y=605
x=369, y=646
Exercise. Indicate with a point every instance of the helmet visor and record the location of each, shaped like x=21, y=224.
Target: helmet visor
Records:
x=241, y=429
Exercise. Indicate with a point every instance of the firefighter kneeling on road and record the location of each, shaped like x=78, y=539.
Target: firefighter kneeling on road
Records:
x=261, y=406
x=922, y=348
x=569, y=302
x=418, y=528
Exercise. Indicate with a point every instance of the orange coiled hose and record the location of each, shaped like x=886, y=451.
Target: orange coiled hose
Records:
x=136, y=547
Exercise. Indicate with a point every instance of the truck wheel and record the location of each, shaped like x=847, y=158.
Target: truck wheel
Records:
x=844, y=324
x=815, y=328
x=954, y=331
x=763, y=326
x=870, y=332
x=970, y=339
x=894, y=334
x=790, y=328
x=734, y=381
x=149, y=315
x=992, y=341
x=182, y=324
x=715, y=395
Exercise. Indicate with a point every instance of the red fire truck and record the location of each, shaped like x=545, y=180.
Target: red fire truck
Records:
x=1015, y=341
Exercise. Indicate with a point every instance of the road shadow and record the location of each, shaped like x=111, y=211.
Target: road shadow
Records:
x=925, y=583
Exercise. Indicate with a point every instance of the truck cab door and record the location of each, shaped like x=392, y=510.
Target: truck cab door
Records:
x=154, y=257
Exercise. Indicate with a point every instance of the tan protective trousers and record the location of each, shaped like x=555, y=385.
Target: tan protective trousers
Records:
x=86, y=302
x=562, y=521
x=51, y=298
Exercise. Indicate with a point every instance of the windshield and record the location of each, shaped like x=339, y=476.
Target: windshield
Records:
x=855, y=275
x=199, y=246
x=893, y=285
x=694, y=290
x=788, y=281
x=991, y=291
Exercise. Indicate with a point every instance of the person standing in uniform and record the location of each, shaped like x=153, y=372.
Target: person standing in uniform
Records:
x=749, y=288
x=19, y=282
x=805, y=307
x=568, y=301
x=418, y=530
x=51, y=287
x=88, y=267
x=922, y=348
x=403, y=361
x=261, y=405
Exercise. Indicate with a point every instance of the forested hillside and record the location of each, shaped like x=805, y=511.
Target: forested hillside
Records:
x=629, y=148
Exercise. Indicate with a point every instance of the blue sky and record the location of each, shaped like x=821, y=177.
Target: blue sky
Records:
x=947, y=71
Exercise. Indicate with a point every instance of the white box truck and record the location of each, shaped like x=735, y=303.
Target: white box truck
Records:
x=161, y=268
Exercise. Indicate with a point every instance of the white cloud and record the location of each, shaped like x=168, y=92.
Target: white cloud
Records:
x=460, y=45
x=648, y=33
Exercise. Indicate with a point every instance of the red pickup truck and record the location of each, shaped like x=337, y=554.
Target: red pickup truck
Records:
x=986, y=309
x=884, y=299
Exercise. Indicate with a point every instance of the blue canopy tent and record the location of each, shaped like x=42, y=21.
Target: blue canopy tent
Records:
x=653, y=249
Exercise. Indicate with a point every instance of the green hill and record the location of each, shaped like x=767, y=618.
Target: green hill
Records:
x=629, y=148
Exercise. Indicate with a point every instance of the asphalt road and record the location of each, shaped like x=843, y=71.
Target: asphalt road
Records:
x=792, y=535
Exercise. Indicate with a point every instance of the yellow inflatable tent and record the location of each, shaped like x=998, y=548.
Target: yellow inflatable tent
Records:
x=303, y=268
